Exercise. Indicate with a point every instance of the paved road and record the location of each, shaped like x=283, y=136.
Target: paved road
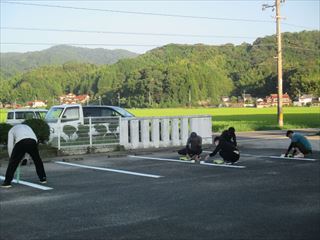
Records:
x=267, y=199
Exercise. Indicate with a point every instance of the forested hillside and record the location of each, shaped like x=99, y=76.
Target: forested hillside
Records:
x=164, y=76
x=12, y=63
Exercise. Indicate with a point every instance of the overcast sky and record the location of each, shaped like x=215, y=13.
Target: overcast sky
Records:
x=139, y=26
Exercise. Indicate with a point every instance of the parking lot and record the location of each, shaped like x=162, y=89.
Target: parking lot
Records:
x=156, y=196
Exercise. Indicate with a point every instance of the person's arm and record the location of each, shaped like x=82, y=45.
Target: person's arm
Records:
x=234, y=139
x=10, y=143
x=218, y=148
x=289, y=149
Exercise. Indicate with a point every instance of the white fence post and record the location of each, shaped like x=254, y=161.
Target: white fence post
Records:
x=90, y=131
x=131, y=132
x=59, y=134
x=145, y=133
x=194, y=125
x=208, y=135
x=165, y=132
x=124, y=132
x=134, y=133
x=184, y=130
x=175, y=132
x=155, y=134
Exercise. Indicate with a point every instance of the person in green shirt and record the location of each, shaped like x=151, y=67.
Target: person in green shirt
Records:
x=299, y=143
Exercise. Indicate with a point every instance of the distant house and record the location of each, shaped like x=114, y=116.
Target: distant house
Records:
x=225, y=101
x=305, y=99
x=72, y=99
x=272, y=100
x=36, y=104
x=247, y=98
x=261, y=103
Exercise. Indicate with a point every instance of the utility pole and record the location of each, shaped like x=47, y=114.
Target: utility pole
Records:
x=190, y=96
x=279, y=57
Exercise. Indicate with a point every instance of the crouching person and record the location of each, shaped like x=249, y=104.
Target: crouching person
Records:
x=227, y=150
x=299, y=144
x=22, y=140
x=193, y=148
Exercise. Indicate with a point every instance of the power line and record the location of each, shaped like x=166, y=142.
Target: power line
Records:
x=140, y=13
x=123, y=33
x=154, y=14
x=141, y=45
x=164, y=0
x=80, y=44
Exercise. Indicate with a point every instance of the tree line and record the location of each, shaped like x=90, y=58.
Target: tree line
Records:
x=174, y=75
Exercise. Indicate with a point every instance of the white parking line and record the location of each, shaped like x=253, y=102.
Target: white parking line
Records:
x=221, y=165
x=161, y=159
x=175, y=160
x=29, y=184
x=278, y=157
x=110, y=170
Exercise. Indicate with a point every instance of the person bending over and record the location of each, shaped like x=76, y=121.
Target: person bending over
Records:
x=193, y=148
x=230, y=135
x=299, y=144
x=22, y=140
x=229, y=153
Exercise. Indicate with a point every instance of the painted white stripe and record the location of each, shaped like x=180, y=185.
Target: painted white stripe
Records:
x=278, y=157
x=221, y=165
x=174, y=160
x=110, y=170
x=29, y=184
x=161, y=159
x=301, y=159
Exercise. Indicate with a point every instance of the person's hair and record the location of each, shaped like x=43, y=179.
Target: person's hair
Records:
x=193, y=135
x=216, y=139
x=288, y=132
x=232, y=129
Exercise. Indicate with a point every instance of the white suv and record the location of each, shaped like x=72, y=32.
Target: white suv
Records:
x=16, y=116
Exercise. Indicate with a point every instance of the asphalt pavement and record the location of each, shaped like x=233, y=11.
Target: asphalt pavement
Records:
x=144, y=195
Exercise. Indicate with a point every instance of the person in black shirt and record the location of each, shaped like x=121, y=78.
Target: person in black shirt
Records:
x=227, y=151
x=193, y=148
x=230, y=136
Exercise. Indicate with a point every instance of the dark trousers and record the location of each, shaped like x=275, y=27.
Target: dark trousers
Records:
x=229, y=156
x=190, y=152
x=301, y=148
x=20, y=149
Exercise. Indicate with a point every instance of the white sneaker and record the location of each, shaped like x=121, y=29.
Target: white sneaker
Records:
x=299, y=155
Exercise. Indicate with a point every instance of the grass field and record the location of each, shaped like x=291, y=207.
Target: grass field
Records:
x=3, y=115
x=243, y=119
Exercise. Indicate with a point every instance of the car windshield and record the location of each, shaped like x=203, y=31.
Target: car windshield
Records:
x=123, y=112
x=53, y=114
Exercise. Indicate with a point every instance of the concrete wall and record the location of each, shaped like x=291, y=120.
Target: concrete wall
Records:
x=155, y=132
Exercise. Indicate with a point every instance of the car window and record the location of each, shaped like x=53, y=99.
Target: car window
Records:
x=24, y=115
x=106, y=112
x=41, y=115
x=53, y=114
x=92, y=112
x=122, y=112
x=10, y=115
x=71, y=114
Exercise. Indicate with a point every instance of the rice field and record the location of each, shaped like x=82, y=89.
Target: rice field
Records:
x=243, y=119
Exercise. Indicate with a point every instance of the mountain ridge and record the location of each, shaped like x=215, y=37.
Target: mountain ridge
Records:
x=13, y=62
